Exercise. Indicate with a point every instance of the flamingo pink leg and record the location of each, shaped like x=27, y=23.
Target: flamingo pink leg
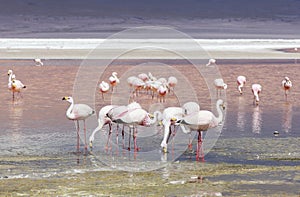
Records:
x=199, y=154
x=136, y=148
x=108, y=139
x=129, y=138
x=85, y=142
x=78, y=137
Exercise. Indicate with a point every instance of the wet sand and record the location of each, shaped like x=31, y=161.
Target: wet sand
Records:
x=38, y=142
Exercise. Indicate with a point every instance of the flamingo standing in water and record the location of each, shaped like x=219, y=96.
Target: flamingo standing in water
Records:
x=202, y=121
x=172, y=82
x=38, y=62
x=78, y=112
x=114, y=80
x=286, y=85
x=256, y=89
x=14, y=85
x=170, y=116
x=104, y=88
x=211, y=62
x=133, y=117
x=241, y=81
x=220, y=85
x=162, y=92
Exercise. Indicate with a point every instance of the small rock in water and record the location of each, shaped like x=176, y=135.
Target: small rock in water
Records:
x=276, y=133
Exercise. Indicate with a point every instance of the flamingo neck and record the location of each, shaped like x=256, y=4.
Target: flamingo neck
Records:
x=69, y=113
x=220, y=113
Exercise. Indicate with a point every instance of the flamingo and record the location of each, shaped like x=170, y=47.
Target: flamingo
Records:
x=256, y=89
x=287, y=85
x=220, y=85
x=172, y=82
x=38, y=62
x=78, y=112
x=241, y=81
x=143, y=76
x=171, y=115
x=103, y=119
x=211, y=62
x=202, y=121
x=162, y=92
x=114, y=80
x=14, y=85
x=133, y=117
x=104, y=88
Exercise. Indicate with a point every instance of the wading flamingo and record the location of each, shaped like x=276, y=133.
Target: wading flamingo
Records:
x=38, y=62
x=172, y=82
x=134, y=117
x=78, y=112
x=220, y=85
x=170, y=116
x=241, y=81
x=256, y=89
x=286, y=85
x=211, y=62
x=14, y=85
x=202, y=121
x=114, y=80
x=103, y=120
x=162, y=92
x=104, y=88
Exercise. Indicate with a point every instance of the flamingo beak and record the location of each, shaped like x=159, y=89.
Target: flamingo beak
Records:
x=223, y=107
x=165, y=149
x=13, y=84
x=151, y=116
x=160, y=123
x=65, y=98
x=173, y=119
x=91, y=145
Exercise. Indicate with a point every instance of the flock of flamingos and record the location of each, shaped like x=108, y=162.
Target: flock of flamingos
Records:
x=189, y=116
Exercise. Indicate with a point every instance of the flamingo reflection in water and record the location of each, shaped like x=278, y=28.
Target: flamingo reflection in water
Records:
x=256, y=120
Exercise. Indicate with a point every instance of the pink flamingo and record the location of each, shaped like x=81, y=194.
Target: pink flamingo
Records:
x=241, y=81
x=286, y=85
x=256, y=90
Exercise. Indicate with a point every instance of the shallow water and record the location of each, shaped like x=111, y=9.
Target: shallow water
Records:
x=37, y=141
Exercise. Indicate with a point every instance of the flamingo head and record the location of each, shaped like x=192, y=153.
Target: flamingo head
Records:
x=9, y=72
x=68, y=98
x=165, y=149
x=286, y=78
x=13, y=76
x=225, y=86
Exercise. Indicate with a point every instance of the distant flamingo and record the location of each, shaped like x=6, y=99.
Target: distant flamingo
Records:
x=211, y=62
x=172, y=82
x=114, y=80
x=38, y=62
x=78, y=112
x=143, y=76
x=162, y=92
x=287, y=85
x=256, y=89
x=241, y=81
x=220, y=85
x=202, y=121
x=14, y=85
x=104, y=88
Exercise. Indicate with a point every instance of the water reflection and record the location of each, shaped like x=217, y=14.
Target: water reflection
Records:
x=241, y=114
x=15, y=117
x=256, y=120
x=287, y=117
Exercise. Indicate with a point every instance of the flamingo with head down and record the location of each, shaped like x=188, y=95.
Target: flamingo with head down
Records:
x=256, y=90
x=241, y=81
x=114, y=80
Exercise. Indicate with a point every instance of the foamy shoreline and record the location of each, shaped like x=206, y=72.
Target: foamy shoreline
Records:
x=16, y=48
